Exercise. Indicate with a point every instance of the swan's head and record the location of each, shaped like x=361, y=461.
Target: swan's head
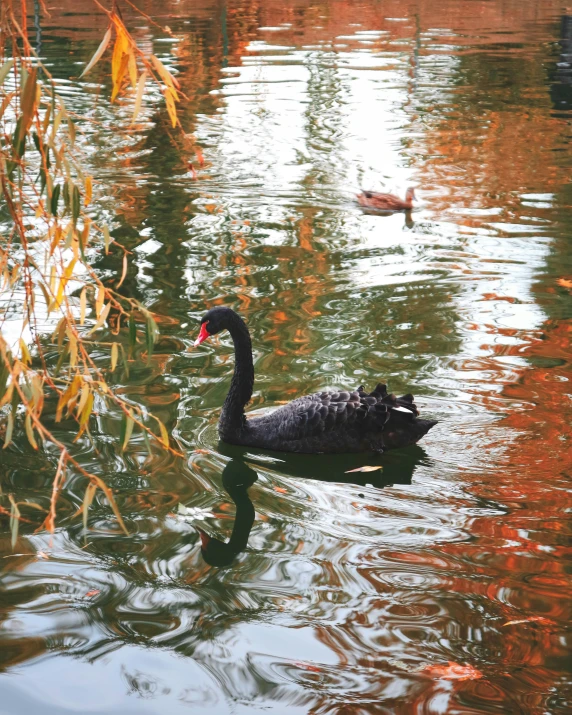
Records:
x=213, y=322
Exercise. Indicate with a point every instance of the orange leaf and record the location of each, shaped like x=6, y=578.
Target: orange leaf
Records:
x=93, y=592
x=453, y=671
x=281, y=490
x=124, y=271
x=564, y=283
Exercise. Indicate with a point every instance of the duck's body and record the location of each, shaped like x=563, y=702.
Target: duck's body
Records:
x=386, y=202
x=344, y=421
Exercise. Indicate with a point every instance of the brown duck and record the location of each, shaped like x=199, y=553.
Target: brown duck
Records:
x=387, y=202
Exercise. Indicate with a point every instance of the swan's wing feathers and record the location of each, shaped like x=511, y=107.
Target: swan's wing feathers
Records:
x=326, y=411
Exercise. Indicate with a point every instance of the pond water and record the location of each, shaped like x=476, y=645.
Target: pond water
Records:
x=345, y=593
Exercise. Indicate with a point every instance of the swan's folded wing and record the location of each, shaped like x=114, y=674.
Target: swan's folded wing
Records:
x=327, y=411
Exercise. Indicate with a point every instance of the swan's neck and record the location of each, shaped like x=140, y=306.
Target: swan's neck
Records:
x=232, y=419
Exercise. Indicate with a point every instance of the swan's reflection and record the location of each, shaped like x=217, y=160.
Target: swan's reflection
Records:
x=238, y=476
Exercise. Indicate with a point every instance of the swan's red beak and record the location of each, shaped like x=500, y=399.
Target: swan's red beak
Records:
x=205, y=538
x=203, y=335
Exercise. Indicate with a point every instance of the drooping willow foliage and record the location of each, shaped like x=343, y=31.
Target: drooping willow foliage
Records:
x=45, y=274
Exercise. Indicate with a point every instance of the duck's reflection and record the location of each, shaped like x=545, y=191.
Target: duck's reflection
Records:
x=238, y=476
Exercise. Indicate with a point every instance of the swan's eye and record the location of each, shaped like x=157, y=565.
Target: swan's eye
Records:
x=203, y=335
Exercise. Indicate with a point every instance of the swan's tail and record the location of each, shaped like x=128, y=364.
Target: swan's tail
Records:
x=403, y=426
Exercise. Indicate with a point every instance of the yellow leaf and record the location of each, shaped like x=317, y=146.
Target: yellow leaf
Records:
x=83, y=398
x=82, y=305
x=119, y=59
x=30, y=431
x=106, y=238
x=86, y=411
x=109, y=494
x=87, y=499
x=128, y=432
x=57, y=238
x=88, y=190
x=364, y=469
x=101, y=319
x=28, y=106
x=26, y=357
x=9, y=430
x=99, y=52
x=165, y=75
x=139, y=96
x=73, y=350
x=99, y=301
x=164, y=434
x=170, y=96
x=114, y=356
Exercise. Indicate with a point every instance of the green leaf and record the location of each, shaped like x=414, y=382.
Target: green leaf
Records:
x=14, y=520
x=6, y=67
x=66, y=195
x=150, y=336
x=126, y=431
x=124, y=361
x=132, y=333
x=63, y=357
x=75, y=204
x=54, y=200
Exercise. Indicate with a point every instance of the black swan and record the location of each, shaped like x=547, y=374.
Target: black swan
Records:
x=344, y=421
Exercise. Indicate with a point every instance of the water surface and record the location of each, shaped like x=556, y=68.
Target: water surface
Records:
x=347, y=589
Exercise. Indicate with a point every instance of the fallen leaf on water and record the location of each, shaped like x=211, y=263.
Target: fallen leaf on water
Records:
x=564, y=283
x=307, y=666
x=202, y=451
x=453, y=671
x=281, y=490
x=42, y=555
x=93, y=592
x=408, y=667
x=364, y=469
x=532, y=619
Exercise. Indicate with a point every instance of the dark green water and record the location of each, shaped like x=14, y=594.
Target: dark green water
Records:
x=347, y=590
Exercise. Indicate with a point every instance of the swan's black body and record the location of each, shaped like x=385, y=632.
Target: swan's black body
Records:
x=345, y=421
